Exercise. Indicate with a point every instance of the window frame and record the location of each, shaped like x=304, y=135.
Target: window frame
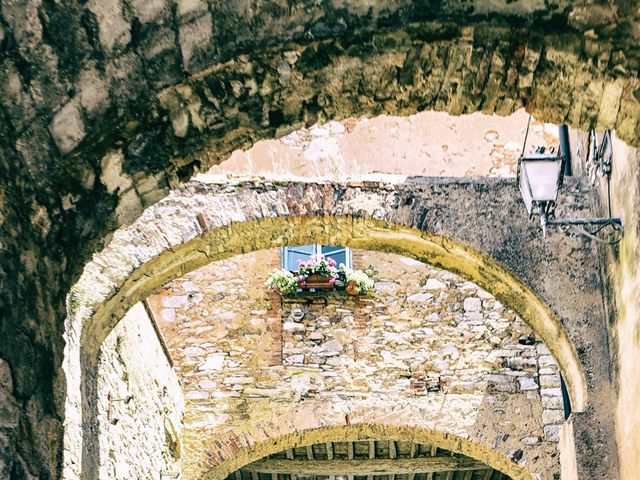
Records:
x=317, y=249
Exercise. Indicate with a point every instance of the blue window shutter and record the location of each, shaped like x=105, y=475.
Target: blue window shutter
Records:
x=291, y=255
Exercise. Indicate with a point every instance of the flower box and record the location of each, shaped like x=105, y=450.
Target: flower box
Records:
x=320, y=273
x=315, y=280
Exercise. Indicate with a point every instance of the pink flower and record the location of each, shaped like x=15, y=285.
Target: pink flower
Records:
x=300, y=262
x=332, y=281
x=332, y=262
x=300, y=278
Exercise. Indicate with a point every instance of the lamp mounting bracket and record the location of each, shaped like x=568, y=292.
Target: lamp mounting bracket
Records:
x=599, y=157
x=540, y=175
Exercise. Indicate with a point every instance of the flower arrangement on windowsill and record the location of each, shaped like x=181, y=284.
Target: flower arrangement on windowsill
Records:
x=320, y=273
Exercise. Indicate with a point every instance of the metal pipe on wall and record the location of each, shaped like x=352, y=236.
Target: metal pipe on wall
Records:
x=565, y=149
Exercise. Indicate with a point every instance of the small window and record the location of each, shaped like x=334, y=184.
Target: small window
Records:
x=291, y=255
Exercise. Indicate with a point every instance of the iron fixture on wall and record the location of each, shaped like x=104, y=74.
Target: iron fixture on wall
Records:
x=540, y=176
x=599, y=157
x=110, y=413
x=167, y=474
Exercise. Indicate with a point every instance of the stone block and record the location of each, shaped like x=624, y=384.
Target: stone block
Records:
x=67, y=127
x=434, y=284
x=472, y=304
x=551, y=392
x=552, y=417
x=127, y=83
x=552, y=403
x=294, y=327
x=212, y=362
x=175, y=301
x=332, y=346
x=552, y=432
x=93, y=90
x=197, y=395
x=530, y=441
x=527, y=383
x=542, y=349
x=150, y=10
x=493, y=378
x=239, y=380
x=316, y=336
x=194, y=351
x=294, y=359
x=195, y=41
x=473, y=317
x=549, y=381
x=191, y=8
x=546, y=361
x=484, y=295
x=548, y=370
x=114, y=29
x=129, y=207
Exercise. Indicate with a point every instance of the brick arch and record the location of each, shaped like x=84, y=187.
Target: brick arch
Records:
x=282, y=439
x=426, y=220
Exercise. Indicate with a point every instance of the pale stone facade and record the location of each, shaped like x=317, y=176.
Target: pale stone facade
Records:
x=140, y=403
x=428, y=349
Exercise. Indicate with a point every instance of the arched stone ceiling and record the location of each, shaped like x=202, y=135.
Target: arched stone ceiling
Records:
x=176, y=87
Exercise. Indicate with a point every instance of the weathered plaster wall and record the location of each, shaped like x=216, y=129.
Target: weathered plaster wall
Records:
x=624, y=275
x=427, y=349
x=428, y=143
x=78, y=78
x=139, y=438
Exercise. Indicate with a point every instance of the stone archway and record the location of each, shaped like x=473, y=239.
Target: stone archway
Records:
x=69, y=97
x=273, y=442
x=424, y=220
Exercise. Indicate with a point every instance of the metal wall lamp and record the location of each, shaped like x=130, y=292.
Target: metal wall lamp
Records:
x=539, y=178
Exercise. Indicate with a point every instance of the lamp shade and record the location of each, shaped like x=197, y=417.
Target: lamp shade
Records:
x=539, y=179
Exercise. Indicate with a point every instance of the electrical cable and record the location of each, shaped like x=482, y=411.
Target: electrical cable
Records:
x=609, y=194
x=583, y=231
x=526, y=135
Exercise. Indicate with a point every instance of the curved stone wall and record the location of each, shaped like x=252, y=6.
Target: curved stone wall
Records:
x=427, y=349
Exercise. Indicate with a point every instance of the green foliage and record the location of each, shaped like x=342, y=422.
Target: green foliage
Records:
x=283, y=281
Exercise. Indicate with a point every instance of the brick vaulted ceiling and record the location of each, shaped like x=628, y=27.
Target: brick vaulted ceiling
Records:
x=367, y=460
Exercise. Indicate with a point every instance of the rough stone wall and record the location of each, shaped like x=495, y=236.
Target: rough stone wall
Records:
x=140, y=404
x=624, y=297
x=427, y=219
x=427, y=343
x=79, y=78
